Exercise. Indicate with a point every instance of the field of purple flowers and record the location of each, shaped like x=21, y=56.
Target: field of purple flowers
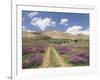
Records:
x=47, y=53
x=74, y=55
x=33, y=56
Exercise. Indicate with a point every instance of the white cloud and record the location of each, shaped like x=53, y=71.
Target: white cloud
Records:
x=52, y=23
x=32, y=14
x=30, y=31
x=24, y=28
x=85, y=32
x=64, y=21
x=27, y=30
x=43, y=23
x=77, y=30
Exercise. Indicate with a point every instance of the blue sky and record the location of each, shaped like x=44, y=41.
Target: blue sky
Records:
x=65, y=22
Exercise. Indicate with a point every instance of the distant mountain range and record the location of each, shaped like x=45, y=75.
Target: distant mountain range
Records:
x=55, y=35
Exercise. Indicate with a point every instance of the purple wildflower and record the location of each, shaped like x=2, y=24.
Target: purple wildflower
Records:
x=26, y=50
x=40, y=50
x=37, y=59
x=79, y=58
x=62, y=49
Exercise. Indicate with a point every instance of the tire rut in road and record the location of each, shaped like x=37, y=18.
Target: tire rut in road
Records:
x=46, y=59
x=58, y=58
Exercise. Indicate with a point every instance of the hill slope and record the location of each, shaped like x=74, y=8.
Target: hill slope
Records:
x=54, y=35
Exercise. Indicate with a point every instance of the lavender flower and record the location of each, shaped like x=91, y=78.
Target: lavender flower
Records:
x=62, y=49
x=26, y=50
x=82, y=58
x=37, y=59
x=40, y=50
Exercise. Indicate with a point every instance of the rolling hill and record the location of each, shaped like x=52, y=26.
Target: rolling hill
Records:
x=54, y=35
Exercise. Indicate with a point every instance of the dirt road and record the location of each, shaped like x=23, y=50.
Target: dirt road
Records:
x=53, y=59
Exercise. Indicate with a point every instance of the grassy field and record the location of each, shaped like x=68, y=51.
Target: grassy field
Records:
x=44, y=52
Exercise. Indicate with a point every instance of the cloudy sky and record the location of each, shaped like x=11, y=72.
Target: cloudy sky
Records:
x=73, y=23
